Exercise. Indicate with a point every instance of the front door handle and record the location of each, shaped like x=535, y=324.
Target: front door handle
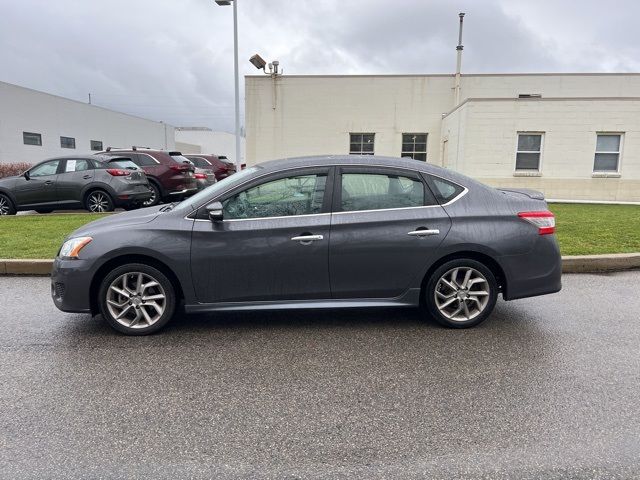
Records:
x=48, y=182
x=424, y=233
x=307, y=239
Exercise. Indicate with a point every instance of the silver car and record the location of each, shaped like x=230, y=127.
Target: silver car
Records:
x=316, y=232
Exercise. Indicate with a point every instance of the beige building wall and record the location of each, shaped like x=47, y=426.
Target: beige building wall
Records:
x=481, y=141
x=313, y=115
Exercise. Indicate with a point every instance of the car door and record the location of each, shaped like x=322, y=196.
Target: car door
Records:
x=40, y=188
x=272, y=244
x=76, y=173
x=385, y=229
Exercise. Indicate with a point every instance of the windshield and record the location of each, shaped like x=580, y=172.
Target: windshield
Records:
x=200, y=162
x=217, y=188
x=180, y=158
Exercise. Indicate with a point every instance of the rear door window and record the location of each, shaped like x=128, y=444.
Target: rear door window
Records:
x=77, y=165
x=376, y=191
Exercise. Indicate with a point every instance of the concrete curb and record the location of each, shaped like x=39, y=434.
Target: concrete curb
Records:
x=570, y=264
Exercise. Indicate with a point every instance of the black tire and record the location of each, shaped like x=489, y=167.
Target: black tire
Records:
x=451, y=294
x=44, y=210
x=137, y=327
x=6, y=205
x=156, y=197
x=98, y=201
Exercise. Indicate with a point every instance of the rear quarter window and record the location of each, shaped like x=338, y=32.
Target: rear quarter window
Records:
x=444, y=190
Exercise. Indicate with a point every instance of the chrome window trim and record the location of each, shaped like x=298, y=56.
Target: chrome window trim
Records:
x=453, y=200
x=387, y=209
x=262, y=218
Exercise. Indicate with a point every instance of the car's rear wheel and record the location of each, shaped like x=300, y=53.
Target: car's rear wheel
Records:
x=99, y=201
x=154, y=199
x=6, y=206
x=137, y=299
x=461, y=293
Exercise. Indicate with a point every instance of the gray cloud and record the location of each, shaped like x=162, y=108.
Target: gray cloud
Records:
x=172, y=60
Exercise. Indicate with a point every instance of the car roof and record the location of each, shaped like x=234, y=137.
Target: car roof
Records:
x=369, y=161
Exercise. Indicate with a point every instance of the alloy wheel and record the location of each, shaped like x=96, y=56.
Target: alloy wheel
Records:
x=4, y=206
x=462, y=294
x=151, y=200
x=98, y=202
x=136, y=300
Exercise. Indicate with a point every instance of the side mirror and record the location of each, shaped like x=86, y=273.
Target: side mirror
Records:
x=215, y=211
x=26, y=175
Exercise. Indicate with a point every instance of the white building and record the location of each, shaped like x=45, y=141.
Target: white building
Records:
x=36, y=125
x=572, y=136
x=205, y=140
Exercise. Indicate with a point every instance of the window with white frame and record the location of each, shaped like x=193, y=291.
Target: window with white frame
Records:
x=414, y=145
x=529, y=151
x=361, y=143
x=607, y=157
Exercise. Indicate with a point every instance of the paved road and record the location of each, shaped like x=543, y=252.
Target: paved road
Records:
x=547, y=388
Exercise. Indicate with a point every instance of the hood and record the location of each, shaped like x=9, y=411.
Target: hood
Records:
x=8, y=182
x=118, y=220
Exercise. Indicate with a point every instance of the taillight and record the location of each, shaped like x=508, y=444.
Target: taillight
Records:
x=544, y=220
x=116, y=172
x=200, y=176
x=243, y=166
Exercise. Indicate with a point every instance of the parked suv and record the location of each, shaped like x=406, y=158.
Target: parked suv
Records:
x=221, y=166
x=171, y=176
x=71, y=183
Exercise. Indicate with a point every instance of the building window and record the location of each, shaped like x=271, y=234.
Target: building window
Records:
x=361, y=143
x=529, y=151
x=414, y=145
x=67, y=142
x=607, y=158
x=30, y=138
x=96, y=145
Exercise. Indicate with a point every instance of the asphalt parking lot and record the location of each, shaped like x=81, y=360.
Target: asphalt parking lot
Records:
x=549, y=387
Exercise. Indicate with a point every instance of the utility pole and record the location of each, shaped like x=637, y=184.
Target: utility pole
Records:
x=459, y=49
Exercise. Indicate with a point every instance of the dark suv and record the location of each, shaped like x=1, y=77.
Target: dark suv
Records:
x=170, y=175
x=221, y=166
x=73, y=182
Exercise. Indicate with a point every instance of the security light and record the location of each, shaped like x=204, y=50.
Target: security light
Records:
x=258, y=62
x=223, y=3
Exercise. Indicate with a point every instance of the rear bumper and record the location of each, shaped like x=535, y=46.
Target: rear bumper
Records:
x=136, y=195
x=538, y=272
x=70, y=285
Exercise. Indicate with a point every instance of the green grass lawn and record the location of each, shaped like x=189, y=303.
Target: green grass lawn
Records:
x=582, y=230
x=593, y=229
x=38, y=236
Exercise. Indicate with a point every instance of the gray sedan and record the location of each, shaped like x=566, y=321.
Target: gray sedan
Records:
x=316, y=232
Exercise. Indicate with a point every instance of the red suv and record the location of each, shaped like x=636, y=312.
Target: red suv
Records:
x=170, y=175
x=220, y=165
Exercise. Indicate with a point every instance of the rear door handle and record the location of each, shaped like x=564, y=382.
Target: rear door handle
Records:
x=48, y=182
x=424, y=233
x=86, y=177
x=307, y=239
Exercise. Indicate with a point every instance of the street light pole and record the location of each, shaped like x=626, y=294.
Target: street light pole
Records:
x=236, y=74
x=237, y=79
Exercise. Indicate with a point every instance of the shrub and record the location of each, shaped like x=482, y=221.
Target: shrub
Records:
x=10, y=169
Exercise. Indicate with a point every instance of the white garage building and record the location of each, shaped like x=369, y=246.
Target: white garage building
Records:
x=572, y=136
x=36, y=125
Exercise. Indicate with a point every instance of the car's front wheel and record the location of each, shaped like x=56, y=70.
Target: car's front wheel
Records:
x=137, y=299
x=461, y=293
x=99, y=201
x=6, y=206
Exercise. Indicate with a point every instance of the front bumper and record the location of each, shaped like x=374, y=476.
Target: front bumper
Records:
x=71, y=285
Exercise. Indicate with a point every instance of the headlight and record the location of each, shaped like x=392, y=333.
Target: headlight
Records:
x=71, y=248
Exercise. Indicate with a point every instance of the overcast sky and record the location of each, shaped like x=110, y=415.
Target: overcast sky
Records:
x=172, y=60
